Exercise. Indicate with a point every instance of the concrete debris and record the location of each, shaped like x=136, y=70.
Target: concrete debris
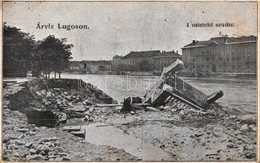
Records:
x=252, y=127
x=171, y=88
x=244, y=127
x=72, y=128
x=22, y=129
x=32, y=151
x=79, y=133
x=58, y=159
x=248, y=119
x=28, y=145
x=250, y=155
x=176, y=130
x=77, y=108
x=7, y=138
x=32, y=133
x=42, y=148
x=66, y=158
x=35, y=158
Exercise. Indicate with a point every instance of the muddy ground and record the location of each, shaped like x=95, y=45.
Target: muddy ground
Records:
x=175, y=133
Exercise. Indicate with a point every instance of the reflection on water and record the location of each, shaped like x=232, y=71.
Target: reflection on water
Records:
x=237, y=93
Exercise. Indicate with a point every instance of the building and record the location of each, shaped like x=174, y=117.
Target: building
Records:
x=93, y=67
x=221, y=54
x=165, y=59
x=153, y=60
x=137, y=61
x=76, y=65
x=96, y=67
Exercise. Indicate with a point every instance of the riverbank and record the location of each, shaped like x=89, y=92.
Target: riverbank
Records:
x=240, y=94
x=75, y=129
x=219, y=75
x=33, y=115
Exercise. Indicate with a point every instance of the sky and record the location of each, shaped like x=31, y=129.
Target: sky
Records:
x=116, y=28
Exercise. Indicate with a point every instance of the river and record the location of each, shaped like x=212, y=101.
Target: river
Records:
x=237, y=93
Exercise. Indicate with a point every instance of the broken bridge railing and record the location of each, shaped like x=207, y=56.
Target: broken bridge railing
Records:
x=171, y=86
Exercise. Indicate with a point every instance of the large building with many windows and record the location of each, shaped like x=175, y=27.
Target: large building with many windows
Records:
x=221, y=54
x=154, y=60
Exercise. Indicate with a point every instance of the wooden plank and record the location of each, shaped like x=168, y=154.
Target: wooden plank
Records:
x=72, y=128
x=184, y=100
x=108, y=105
x=174, y=67
x=115, y=105
x=179, y=87
x=149, y=96
x=150, y=108
x=187, y=91
x=213, y=97
x=160, y=98
x=142, y=104
x=154, y=92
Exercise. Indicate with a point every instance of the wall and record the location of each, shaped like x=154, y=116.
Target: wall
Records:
x=227, y=58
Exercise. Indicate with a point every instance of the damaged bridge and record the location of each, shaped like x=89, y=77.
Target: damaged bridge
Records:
x=170, y=87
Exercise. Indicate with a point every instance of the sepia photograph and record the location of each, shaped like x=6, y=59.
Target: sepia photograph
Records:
x=129, y=81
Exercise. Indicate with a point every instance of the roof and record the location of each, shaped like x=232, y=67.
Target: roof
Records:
x=168, y=54
x=152, y=54
x=142, y=54
x=241, y=39
x=196, y=44
x=75, y=63
x=100, y=62
x=214, y=41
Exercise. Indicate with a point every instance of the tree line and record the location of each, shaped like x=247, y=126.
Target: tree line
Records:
x=22, y=53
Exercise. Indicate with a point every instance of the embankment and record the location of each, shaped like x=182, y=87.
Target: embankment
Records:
x=44, y=101
x=35, y=114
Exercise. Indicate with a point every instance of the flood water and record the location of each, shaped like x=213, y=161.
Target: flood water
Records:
x=101, y=134
x=237, y=93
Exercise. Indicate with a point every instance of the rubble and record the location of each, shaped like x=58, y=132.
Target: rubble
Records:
x=28, y=104
x=176, y=128
x=176, y=93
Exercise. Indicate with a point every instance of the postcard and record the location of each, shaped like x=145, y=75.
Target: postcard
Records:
x=130, y=81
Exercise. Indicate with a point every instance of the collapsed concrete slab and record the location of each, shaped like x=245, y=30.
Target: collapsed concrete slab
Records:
x=171, y=86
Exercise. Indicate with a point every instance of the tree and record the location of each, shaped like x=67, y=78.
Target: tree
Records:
x=53, y=54
x=17, y=51
x=21, y=53
x=116, y=57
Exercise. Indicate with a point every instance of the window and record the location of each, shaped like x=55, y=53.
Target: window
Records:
x=238, y=56
x=228, y=58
